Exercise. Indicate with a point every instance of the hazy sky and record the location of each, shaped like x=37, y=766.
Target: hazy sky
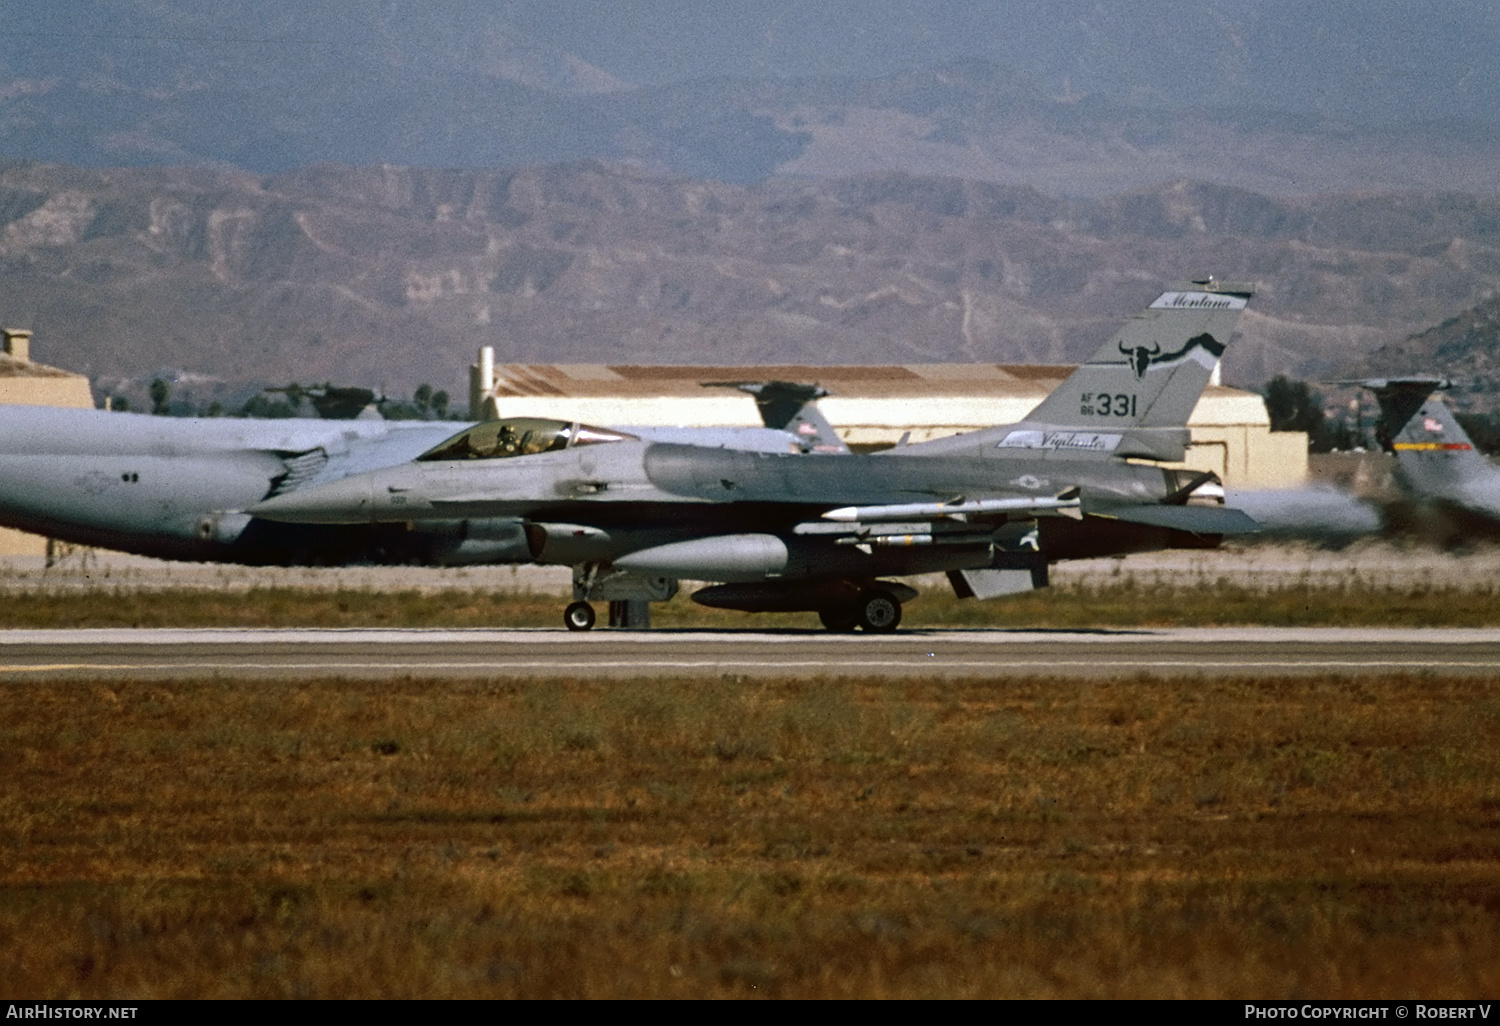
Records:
x=1370, y=60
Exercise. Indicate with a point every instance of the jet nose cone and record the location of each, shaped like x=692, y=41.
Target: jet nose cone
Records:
x=342, y=502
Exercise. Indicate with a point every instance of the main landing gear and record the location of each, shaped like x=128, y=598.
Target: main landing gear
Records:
x=579, y=616
x=879, y=612
x=876, y=611
x=842, y=604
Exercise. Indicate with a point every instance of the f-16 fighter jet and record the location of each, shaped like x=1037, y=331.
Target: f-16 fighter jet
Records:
x=778, y=532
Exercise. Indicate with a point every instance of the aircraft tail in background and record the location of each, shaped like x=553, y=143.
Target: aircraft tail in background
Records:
x=793, y=407
x=1435, y=454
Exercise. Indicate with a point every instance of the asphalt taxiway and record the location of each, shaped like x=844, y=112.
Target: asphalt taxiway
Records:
x=389, y=654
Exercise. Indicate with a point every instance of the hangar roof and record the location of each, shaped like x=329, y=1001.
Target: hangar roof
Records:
x=893, y=381
x=10, y=367
x=932, y=398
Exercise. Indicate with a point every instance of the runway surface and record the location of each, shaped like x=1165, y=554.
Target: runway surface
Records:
x=1215, y=652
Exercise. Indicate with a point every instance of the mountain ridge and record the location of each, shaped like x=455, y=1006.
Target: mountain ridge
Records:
x=388, y=276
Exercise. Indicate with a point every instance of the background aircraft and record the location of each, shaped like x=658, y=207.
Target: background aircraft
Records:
x=176, y=488
x=793, y=407
x=992, y=508
x=1439, y=466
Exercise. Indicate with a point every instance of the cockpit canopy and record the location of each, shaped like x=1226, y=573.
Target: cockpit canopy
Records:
x=520, y=436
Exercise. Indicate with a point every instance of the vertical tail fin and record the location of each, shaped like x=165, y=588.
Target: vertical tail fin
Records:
x=1134, y=396
x=1399, y=399
x=1432, y=449
x=792, y=406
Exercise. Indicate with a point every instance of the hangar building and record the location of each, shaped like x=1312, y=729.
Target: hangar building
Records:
x=872, y=407
x=34, y=384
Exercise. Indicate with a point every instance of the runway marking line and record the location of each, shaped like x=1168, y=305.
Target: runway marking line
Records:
x=45, y=667
x=998, y=666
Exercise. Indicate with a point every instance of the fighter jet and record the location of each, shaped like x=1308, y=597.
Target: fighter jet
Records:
x=177, y=488
x=776, y=532
x=1438, y=462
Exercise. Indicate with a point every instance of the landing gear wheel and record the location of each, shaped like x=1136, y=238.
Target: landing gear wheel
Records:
x=579, y=616
x=841, y=621
x=879, y=612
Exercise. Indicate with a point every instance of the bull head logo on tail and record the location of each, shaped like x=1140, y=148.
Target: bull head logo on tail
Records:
x=1141, y=358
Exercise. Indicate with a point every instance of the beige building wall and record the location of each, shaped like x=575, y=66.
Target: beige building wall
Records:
x=1232, y=436
x=23, y=382
x=71, y=391
x=657, y=411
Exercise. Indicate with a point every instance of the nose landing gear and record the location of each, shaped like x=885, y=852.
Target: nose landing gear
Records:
x=629, y=596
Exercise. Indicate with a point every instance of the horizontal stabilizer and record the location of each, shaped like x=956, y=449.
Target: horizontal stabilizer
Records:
x=1194, y=519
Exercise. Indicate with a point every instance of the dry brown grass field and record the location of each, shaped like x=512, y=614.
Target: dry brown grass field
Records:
x=1314, y=838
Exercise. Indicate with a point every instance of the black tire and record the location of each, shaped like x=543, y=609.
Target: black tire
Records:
x=841, y=621
x=879, y=612
x=579, y=616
